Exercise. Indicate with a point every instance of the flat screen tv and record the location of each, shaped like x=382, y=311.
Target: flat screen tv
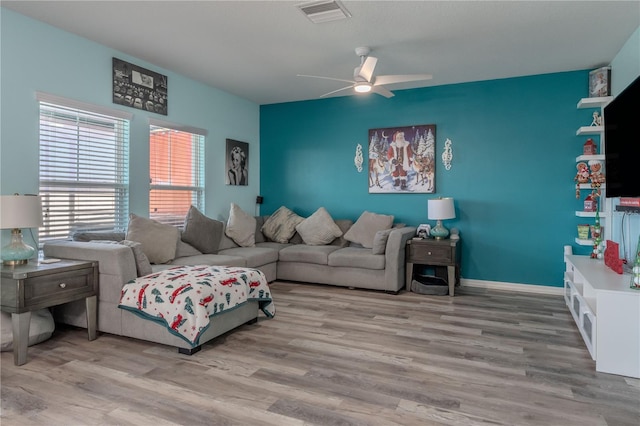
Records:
x=622, y=143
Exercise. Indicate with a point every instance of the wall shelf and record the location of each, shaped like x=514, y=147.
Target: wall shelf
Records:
x=582, y=213
x=590, y=130
x=581, y=242
x=594, y=102
x=588, y=186
x=590, y=157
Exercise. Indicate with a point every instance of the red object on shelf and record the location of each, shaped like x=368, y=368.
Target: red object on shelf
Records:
x=611, y=258
x=590, y=204
x=630, y=202
x=589, y=148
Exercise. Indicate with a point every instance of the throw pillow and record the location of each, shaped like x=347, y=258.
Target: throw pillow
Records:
x=380, y=241
x=202, y=232
x=143, y=266
x=319, y=228
x=281, y=225
x=365, y=228
x=159, y=241
x=241, y=227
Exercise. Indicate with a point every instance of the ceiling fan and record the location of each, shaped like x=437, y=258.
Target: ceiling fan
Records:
x=364, y=81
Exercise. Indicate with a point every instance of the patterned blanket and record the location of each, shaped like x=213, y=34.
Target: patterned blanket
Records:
x=185, y=298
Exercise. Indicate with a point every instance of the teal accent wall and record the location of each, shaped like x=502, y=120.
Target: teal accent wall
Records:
x=514, y=148
x=38, y=57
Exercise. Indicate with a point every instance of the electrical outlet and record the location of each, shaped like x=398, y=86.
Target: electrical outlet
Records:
x=259, y=199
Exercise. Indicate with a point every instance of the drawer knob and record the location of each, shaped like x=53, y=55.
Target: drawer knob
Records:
x=62, y=285
x=429, y=253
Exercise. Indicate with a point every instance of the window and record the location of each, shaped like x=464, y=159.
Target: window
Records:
x=176, y=169
x=84, y=163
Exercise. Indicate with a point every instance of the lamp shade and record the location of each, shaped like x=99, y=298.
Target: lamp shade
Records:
x=20, y=211
x=440, y=209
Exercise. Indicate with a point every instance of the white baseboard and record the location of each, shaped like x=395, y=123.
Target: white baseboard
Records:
x=526, y=288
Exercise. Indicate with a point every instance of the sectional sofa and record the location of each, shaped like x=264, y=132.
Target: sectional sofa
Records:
x=339, y=262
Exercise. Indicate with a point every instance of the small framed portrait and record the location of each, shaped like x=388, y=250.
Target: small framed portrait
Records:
x=600, y=82
x=237, y=169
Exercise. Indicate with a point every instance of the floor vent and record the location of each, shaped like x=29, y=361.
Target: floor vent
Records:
x=324, y=11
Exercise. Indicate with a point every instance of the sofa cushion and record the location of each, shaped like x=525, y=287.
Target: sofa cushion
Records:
x=273, y=245
x=209, y=259
x=319, y=228
x=255, y=256
x=281, y=225
x=364, y=230
x=355, y=257
x=241, y=227
x=307, y=254
x=159, y=241
x=202, y=232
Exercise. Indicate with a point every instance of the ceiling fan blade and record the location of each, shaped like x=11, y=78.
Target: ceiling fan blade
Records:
x=336, y=91
x=392, y=79
x=366, y=70
x=381, y=90
x=325, y=78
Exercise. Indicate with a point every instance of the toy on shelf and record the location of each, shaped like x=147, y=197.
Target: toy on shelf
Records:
x=596, y=235
x=590, y=204
x=596, y=176
x=597, y=119
x=589, y=147
x=582, y=176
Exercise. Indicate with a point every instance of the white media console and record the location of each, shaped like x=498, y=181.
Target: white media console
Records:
x=607, y=313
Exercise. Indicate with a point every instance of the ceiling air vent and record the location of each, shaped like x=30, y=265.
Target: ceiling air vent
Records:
x=324, y=11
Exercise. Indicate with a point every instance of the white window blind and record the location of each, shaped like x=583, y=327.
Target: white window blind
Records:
x=84, y=170
x=176, y=169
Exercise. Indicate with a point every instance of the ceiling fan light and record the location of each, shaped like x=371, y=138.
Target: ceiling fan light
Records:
x=362, y=87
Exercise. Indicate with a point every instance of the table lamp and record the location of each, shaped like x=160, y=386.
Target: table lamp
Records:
x=19, y=211
x=440, y=209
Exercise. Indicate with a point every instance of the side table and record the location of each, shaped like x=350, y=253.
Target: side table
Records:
x=431, y=252
x=27, y=288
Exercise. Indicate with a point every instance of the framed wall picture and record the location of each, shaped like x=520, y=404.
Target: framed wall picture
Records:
x=600, y=82
x=237, y=164
x=139, y=87
x=402, y=159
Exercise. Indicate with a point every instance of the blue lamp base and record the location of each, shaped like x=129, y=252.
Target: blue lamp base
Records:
x=439, y=232
x=17, y=252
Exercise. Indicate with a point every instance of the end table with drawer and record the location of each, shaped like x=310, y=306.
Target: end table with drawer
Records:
x=33, y=286
x=432, y=252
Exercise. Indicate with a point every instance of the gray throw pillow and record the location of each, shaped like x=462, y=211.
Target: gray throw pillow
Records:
x=365, y=228
x=281, y=225
x=380, y=241
x=159, y=241
x=319, y=228
x=202, y=232
x=241, y=227
x=143, y=266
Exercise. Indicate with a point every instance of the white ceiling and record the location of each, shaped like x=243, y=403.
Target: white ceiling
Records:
x=254, y=49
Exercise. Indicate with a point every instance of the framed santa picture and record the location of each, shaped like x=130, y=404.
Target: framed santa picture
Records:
x=402, y=159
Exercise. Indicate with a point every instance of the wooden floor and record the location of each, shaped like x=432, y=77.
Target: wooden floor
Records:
x=334, y=356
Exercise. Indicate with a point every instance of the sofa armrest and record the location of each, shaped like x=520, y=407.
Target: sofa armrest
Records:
x=116, y=263
x=395, y=257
